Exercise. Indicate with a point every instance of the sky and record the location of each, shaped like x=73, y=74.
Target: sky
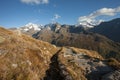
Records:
x=16, y=13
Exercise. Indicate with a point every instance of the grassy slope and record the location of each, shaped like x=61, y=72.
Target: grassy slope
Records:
x=22, y=57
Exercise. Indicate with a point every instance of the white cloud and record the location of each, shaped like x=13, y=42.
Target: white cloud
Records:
x=91, y=18
x=35, y=1
x=56, y=16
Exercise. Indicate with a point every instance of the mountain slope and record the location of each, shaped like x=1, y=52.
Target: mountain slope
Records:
x=22, y=57
x=69, y=36
x=110, y=29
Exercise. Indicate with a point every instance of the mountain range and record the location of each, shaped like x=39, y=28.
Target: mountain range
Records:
x=109, y=28
x=61, y=52
x=83, y=37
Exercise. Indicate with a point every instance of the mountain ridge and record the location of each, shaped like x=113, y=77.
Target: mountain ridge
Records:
x=110, y=29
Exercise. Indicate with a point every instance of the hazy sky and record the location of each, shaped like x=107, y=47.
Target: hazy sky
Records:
x=15, y=13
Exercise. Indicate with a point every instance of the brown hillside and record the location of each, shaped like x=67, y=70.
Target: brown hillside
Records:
x=22, y=57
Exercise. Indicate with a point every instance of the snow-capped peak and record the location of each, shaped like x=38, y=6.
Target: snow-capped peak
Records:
x=30, y=26
x=89, y=24
x=84, y=24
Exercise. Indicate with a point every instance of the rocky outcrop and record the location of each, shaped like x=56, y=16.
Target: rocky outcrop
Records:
x=84, y=64
x=77, y=64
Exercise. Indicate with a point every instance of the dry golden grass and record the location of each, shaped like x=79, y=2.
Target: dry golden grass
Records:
x=114, y=63
x=91, y=53
x=22, y=57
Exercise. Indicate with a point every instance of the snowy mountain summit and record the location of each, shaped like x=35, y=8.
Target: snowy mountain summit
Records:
x=31, y=26
x=88, y=22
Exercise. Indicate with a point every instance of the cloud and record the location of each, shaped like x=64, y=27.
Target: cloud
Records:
x=56, y=16
x=35, y=1
x=91, y=18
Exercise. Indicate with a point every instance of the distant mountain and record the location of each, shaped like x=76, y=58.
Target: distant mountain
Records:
x=30, y=28
x=110, y=29
x=79, y=37
x=87, y=23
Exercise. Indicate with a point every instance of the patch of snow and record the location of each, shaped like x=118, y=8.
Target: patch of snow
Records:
x=34, y=26
x=29, y=26
x=89, y=24
x=25, y=29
